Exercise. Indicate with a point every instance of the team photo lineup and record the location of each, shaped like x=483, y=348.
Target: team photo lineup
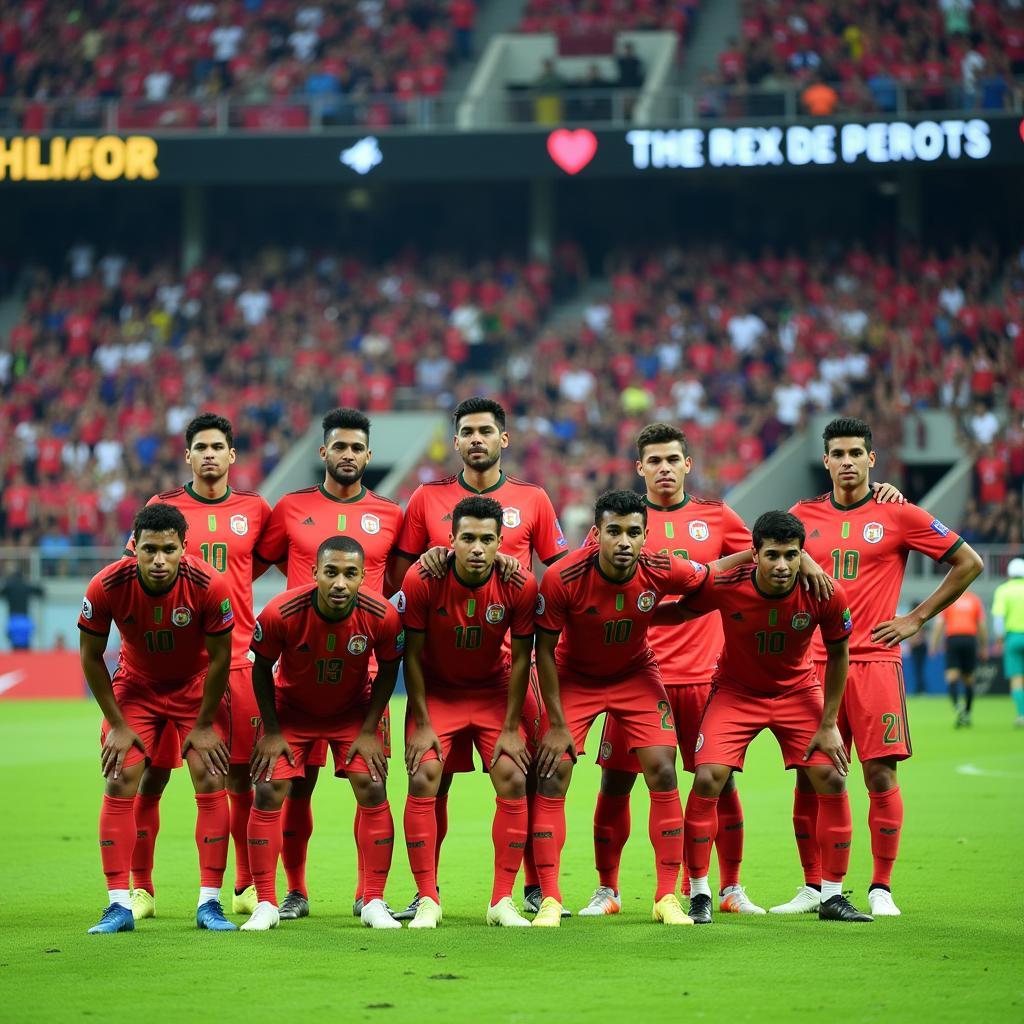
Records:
x=684, y=629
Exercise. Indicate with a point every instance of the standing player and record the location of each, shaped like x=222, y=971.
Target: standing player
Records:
x=529, y=527
x=175, y=620
x=326, y=637
x=765, y=680
x=592, y=657
x=224, y=526
x=463, y=684
x=865, y=545
x=966, y=631
x=300, y=522
x=1008, y=624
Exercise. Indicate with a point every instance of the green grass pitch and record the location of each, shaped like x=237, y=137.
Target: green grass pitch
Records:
x=955, y=952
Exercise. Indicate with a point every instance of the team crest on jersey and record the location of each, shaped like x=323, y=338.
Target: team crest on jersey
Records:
x=647, y=600
x=801, y=620
x=239, y=525
x=511, y=517
x=700, y=743
x=370, y=524
x=257, y=633
x=873, y=532
x=181, y=616
x=86, y=608
x=699, y=530
x=495, y=613
x=398, y=600
x=541, y=604
x=358, y=644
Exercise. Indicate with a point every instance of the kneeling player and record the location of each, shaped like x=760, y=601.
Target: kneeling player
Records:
x=766, y=681
x=175, y=620
x=324, y=636
x=463, y=685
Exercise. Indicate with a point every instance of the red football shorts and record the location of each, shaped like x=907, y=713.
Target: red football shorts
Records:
x=163, y=716
x=732, y=720
x=306, y=734
x=460, y=758
x=687, y=703
x=874, y=710
x=465, y=716
x=318, y=755
x=638, y=702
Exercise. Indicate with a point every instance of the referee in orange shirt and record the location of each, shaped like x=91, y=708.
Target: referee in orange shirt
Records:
x=966, y=636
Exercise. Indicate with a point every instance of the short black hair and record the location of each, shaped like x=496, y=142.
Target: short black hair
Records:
x=660, y=433
x=346, y=544
x=159, y=517
x=478, y=404
x=209, y=421
x=476, y=507
x=345, y=419
x=847, y=426
x=619, y=503
x=780, y=526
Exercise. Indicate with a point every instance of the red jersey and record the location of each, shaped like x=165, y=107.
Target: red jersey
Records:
x=865, y=546
x=604, y=622
x=163, y=636
x=224, y=532
x=528, y=522
x=768, y=636
x=325, y=663
x=466, y=626
x=303, y=520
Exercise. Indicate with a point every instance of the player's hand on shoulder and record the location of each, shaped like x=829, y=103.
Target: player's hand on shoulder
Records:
x=512, y=745
x=435, y=560
x=556, y=742
x=213, y=751
x=887, y=494
x=367, y=746
x=507, y=566
x=419, y=742
x=269, y=747
x=815, y=579
x=829, y=741
x=119, y=740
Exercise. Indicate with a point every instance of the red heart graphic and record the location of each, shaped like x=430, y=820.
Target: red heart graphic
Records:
x=572, y=151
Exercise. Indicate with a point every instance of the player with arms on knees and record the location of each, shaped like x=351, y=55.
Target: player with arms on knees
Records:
x=175, y=619
x=300, y=523
x=325, y=636
x=966, y=630
x=865, y=546
x=529, y=528
x=463, y=683
x=224, y=527
x=765, y=680
x=593, y=614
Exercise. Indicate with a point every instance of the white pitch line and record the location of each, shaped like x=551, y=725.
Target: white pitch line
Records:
x=984, y=773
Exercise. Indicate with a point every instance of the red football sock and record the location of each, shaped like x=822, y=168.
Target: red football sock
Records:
x=360, y=864
x=665, y=826
x=885, y=821
x=611, y=830
x=508, y=833
x=420, y=825
x=264, y=842
x=240, y=805
x=213, y=825
x=377, y=842
x=805, y=827
x=117, y=839
x=699, y=830
x=548, y=834
x=530, y=876
x=441, y=819
x=729, y=841
x=147, y=826
x=684, y=884
x=835, y=831
x=296, y=828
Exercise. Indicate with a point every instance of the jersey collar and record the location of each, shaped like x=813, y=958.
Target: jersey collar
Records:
x=342, y=501
x=316, y=607
x=157, y=593
x=191, y=492
x=615, y=583
x=849, y=508
x=773, y=597
x=486, y=490
x=667, y=508
x=466, y=583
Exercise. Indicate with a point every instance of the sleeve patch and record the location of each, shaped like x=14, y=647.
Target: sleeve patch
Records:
x=87, y=612
x=939, y=528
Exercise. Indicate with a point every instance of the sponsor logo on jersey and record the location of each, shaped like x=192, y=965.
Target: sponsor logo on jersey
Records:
x=182, y=616
x=257, y=633
x=700, y=743
x=511, y=517
x=647, y=600
x=495, y=613
x=398, y=600
x=358, y=644
x=87, y=612
x=605, y=751
x=541, y=604
x=239, y=525
x=873, y=532
x=308, y=521
x=801, y=620
x=370, y=523
x=699, y=530
x=939, y=527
